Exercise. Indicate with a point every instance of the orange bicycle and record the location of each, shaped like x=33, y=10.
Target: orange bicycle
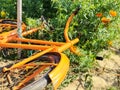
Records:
x=47, y=64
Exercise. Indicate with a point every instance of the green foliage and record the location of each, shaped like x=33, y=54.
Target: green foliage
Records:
x=112, y=88
x=93, y=33
x=9, y=7
x=30, y=8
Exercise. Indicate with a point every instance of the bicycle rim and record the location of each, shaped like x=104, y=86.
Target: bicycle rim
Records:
x=31, y=74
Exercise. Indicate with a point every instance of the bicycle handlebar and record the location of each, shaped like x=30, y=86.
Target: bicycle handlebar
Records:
x=68, y=23
x=67, y=27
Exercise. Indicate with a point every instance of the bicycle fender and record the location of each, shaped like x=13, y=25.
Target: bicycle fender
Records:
x=58, y=74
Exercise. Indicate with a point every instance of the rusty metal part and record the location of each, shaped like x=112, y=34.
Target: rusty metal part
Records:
x=9, y=79
x=22, y=83
x=31, y=58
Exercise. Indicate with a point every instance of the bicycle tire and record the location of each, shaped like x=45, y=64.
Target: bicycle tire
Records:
x=39, y=84
x=9, y=22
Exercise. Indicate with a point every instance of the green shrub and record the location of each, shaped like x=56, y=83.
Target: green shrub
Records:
x=94, y=31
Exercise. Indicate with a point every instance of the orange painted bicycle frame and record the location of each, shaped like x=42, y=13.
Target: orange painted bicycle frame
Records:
x=57, y=75
x=6, y=36
x=7, y=39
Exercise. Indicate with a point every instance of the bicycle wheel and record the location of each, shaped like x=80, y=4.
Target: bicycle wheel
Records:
x=42, y=82
x=33, y=75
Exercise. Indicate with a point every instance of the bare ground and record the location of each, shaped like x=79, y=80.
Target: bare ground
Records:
x=106, y=76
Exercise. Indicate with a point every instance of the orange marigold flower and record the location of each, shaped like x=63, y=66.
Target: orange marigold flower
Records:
x=105, y=20
x=99, y=14
x=113, y=13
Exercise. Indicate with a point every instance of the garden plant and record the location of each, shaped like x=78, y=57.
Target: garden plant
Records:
x=96, y=25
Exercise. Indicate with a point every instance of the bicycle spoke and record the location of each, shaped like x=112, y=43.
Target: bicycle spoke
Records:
x=20, y=76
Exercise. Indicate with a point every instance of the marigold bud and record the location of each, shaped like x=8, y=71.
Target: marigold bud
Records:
x=99, y=15
x=105, y=20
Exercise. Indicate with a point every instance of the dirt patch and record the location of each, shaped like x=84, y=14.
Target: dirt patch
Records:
x=4, y=62
x=106, y=76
